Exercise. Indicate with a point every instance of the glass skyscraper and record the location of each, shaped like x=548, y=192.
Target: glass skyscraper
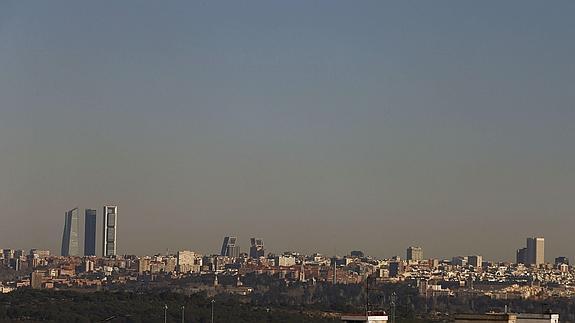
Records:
x=90, y=232
x=110, y=226
x=257, y=248
x=70, y=236
x=229, y=247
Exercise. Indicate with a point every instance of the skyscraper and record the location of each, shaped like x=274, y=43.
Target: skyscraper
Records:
x=229, y=247
x=414, y=253
x=70, y=236
x=110, y=226
x=89, y=232
x=521, y=257
x=535, y=251
x=257, y=248
x=476, y=261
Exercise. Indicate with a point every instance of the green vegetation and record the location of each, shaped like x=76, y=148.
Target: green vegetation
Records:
x=271, y=301
x=66, y=306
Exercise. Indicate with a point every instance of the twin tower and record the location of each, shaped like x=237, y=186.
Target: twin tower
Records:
x=72, y=228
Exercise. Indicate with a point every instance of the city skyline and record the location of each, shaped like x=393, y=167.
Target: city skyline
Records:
x=316, y=126
x=532, y=254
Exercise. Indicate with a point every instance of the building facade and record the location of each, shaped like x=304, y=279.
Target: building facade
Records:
x=188, y=261
x=414, y=253
x=89, y=232
x=230, y=248
x=535, y=251
x=521, y=256
x=70, y=235
x=110, y=242
x=476, y=261
x=257, y=248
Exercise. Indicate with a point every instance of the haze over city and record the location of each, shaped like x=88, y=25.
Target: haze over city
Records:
x=318, y=128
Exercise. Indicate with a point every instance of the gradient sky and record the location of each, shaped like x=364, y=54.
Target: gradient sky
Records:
x=317, y=125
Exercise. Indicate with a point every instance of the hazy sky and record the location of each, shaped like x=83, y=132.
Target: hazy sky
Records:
x=316, y=125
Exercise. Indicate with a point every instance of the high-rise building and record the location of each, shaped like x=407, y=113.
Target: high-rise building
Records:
x=90, y=232
x=460, y=261
x=521, y=256
x=414, y=253
x=70, y=236
x=110, y=226
x=229, y=247
x=535, y=251
x=476, y=261
x=257, y=248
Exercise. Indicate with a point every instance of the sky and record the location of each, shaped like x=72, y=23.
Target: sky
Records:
x=319, y=126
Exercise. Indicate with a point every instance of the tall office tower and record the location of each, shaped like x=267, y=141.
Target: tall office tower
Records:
x=257, y=248
x=414, y=253
x=110, y=225
x=70, y=236
x=229, y=247
x=460, y=261
x=89, y=232
x=476, y=261
x=535, y=251
x=521, y=256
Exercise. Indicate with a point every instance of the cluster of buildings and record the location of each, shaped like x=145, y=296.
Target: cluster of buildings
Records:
x=462, y=275
x=71, y=235
x=230, y=247
x=19, y=259
x=533, y=253
x=529, y=277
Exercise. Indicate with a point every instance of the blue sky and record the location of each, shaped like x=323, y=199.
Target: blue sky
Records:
x=317, y=125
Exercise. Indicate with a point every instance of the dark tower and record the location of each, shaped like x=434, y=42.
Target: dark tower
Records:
x=90, y=232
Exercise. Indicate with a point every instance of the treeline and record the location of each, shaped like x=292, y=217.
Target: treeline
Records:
x=409, y=306
x=271, y=301
x=26, y=305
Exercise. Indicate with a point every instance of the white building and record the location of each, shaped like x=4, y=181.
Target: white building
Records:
x=370, y=318
x=188, y=261
x=285, y=261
